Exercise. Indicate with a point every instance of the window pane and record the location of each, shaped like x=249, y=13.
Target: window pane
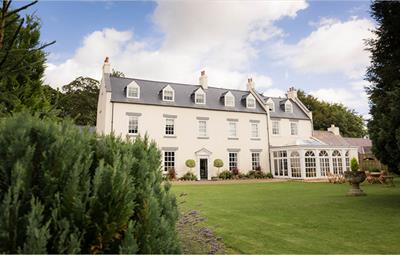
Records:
x=232, y=129
x=168, y=95
x=169, y=160
x=229, y=101
x=232, y=160
x=200, y=98
x=202, y=128
x=169, y=127
x=133, y=92
x=254, y=130
x=275, y=127
x=255, y=161
x=133, y=125
x=293, y=128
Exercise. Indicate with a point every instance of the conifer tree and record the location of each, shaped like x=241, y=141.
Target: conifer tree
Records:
x=384, y=76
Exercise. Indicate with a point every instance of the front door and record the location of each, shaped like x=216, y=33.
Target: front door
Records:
x=203, y=169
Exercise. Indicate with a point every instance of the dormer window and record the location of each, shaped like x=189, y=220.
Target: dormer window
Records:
x=271, y=105
x=250, y=101
x=168, y=94
x=288, y=106
x=133, y=90
x=229, y=100
x=200, y=96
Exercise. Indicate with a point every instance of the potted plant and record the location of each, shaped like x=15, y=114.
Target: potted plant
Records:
x=355, y=177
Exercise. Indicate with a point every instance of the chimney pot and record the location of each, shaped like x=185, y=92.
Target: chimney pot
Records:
x=292, y=93
x=203, y=80
x=250, y=84
x=106, y=66
x=335, y=130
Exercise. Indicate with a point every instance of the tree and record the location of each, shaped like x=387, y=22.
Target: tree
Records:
x=384, y=77
x=218, y=163
x=21, y=61
x=324, y=114
x=79, y=100
x=64, y=190
x=117, y=73
x=190, y=163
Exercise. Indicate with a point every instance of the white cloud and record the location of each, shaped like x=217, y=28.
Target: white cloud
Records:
x=216, y=36
x=354, y=97
x=334, y=47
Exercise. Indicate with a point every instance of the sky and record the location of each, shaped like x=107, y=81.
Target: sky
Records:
x=315, y=46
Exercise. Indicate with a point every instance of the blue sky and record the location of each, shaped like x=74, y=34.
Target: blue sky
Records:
x=316, y=46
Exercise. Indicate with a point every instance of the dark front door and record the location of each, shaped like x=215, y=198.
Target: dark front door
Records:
x=203, y=169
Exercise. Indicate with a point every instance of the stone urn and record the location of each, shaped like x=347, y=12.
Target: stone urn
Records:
x=355, y=178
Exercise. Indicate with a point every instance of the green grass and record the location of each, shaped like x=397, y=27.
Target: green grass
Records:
x=297, y=217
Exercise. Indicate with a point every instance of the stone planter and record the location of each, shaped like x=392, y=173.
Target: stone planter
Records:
x=355, y=178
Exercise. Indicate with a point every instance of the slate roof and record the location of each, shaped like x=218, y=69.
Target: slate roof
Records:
x=150, y=94
x=279, y=112
x=330, y=138
x=364, y=145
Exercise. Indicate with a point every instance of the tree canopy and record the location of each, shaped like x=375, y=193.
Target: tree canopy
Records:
x=384, y=76
x=324, y=114
x=22, y=61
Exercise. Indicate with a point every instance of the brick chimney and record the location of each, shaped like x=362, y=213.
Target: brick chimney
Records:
x=250, y=84
x=334, y=130
x=203, y=80
x=292, y=93
x=106, y=66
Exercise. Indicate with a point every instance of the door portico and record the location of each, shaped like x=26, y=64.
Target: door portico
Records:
x=203, y=166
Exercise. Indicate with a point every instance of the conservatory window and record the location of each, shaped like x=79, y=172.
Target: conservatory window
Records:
x=311, y=167
x=324, y=162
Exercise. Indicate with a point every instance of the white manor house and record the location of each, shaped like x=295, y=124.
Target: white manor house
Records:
x=243, y=128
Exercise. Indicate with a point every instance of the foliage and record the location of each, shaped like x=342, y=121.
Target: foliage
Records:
x=225, y=175
x=384, y=77
x=189, y=176
x=117, y=73
x=354, y=165
x=63, y=190
x=79, y=101
x=171, y=174
x=324, y=114
x=256, y=174
x=235, y=171
x=218, y=163
x=22, y=62
x=190, y=163
x=269, y=175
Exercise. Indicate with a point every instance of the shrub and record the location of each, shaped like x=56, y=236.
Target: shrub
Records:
x=235, y=171
x=257, y=174
x=218, y=163
x=251, y=174
x=354, y=165
x=67, y=191
x=190, y=163
x=269, y=175
x=189, y=176
x=225, y=175
x=171, y=174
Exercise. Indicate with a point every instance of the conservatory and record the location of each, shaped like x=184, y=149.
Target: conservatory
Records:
x=310, y=161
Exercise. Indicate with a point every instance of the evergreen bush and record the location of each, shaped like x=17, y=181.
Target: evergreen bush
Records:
x=354, y=165
x=189, y=176
x=225, y=175
x=63, y=190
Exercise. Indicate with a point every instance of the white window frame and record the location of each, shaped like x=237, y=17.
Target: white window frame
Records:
x=295, y=165
x=255, y=131
x=280, y=163
x=133, y=85
x=271, y=105
x=169, y=160
x=202, y=129
x=232, y=125
x=226, y=100
x=168, y=131
x=277, y=127
x=255, y=161
x=198, y=93
x=294, y=128
x=248, y=99
x=233, y=160
x=168, y=89
x=133, y=125
x=290, y=108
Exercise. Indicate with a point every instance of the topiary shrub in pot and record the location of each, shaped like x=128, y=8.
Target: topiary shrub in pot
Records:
x=355, y=177
x=218, y=163
x=190, y=163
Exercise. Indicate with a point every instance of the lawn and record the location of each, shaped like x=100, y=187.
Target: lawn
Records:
x=297, y=217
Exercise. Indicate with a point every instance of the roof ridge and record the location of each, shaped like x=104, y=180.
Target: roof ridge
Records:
x=181, y=84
